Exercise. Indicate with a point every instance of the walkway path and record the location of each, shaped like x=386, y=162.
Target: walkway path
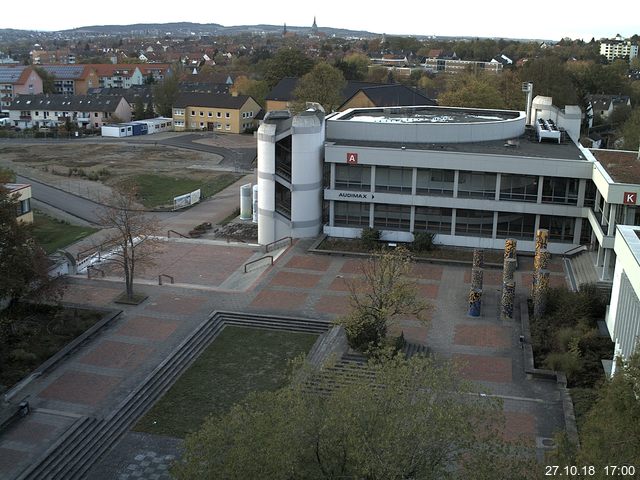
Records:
x=100, y=374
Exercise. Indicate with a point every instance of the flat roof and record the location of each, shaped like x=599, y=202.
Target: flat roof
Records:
x=622, y=166
x=427, y=114
x=519, y=147
x=14, y=187
x=631, y=236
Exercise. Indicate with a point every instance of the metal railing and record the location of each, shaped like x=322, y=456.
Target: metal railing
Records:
x=575, y=250
x=91, y=267
x=165, y=275
x=268, y=246
x=177, y=233
x=270, y=257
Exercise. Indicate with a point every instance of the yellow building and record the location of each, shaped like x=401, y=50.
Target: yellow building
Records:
x=215, y=112
x=23, y=192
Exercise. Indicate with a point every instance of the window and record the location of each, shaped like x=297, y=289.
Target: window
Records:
x=37, y=113
x=393, y=179
x=560, y=228
x=521, y=188
x=560, y=190
x=179, y=113
x=516, y=225
x=210, y=114
x=283, y=200
x=353, y=177
x=201, y=124
x=590, y=195
x=193, y=113
x=351, y=214
x=474, y=223
x=219, y=126
x=227, y=115
x=435, y=182
x=476, y=185
x=218, y=115
x=95, y=114
x=202, y=114
x=433, y=220
x=23, y=207
x=392, y=217
x=227, y=127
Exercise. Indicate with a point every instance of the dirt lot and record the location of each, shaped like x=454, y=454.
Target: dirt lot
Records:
x=89, y=169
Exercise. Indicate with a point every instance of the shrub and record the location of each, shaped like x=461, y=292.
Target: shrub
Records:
x=370, y=237
x=21, y=355
x=422, y=242
x=566, y=362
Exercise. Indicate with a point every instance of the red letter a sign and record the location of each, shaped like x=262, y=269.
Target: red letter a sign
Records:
x=352, y=158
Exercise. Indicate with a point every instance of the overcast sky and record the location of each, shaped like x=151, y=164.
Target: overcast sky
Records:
x=547, y=19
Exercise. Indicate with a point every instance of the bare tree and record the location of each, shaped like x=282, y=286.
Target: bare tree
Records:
x=131, y=233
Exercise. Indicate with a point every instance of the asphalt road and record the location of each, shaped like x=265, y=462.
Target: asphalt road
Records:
x=80, y=207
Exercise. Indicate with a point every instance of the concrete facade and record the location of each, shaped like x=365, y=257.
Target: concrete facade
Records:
x=623, y=316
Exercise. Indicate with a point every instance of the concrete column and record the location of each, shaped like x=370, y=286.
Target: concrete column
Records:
x=582, y=188
x=453, y=221
x=540, y=185
x=373, y=179
x=536, y=225
x=606, y=263
x=577, y=231
x=456, y=176
x=600, y=256
x=612, y=219
x=498, y=181
x=412, y=218
x=414, y=181
x=332, y=212
x=371, y=214
x=494, y=230
x=332, y=178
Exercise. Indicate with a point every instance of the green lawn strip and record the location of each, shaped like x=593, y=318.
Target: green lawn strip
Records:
x=239, y=361
x=38, y=332
x=52, y=234
x=159, y=190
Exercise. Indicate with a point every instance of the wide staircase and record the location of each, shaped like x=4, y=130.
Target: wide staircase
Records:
x=582, y=271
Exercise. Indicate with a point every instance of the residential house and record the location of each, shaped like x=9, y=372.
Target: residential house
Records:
x=73, y=79
x=223, y=113
x=18, y=80
x=85, y=111
x=603, y=105
x=618, y=48
x=41, y=57
x=131, y=95
x=119, y=75
x=23, y=198
x=157, y=71
x=386, y=96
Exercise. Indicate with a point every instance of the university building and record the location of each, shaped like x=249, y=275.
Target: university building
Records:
x=471, y=177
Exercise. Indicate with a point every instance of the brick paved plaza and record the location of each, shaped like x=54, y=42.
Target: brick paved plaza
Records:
x=103, y=371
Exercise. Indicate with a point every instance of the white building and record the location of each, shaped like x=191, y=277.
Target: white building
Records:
x=618, y=48
x=623, y=316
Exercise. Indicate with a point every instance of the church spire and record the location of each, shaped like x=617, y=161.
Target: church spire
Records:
x=314, y=27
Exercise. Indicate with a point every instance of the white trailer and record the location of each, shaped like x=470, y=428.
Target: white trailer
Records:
x=121, y=130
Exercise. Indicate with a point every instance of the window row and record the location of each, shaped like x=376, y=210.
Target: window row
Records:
x=474, y=223
x=521, y=188
x=210, y=114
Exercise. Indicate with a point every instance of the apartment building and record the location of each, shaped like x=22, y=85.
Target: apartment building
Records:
x=17, y=80
x=618, y=48
x=213, y=112
x=72, y=79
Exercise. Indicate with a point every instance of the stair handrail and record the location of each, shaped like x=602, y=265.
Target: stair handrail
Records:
x=177, y=233
x=575, y=250
x=268, y=245
x=270, y=257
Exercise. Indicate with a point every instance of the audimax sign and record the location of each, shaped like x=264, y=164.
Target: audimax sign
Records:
x=358, y=195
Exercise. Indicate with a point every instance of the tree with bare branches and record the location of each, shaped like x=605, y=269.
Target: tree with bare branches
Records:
x=131, y=234
x=383, y=292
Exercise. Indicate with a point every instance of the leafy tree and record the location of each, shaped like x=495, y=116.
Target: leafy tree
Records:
x=378, y=74
x=383, y=293
x=131, y=233
x=354, y=66
x=257, y=89
x=324, y=84
x=550, y=78
x=287, y=62
x=472, y=90
x=420, y=421
x=631, y=130
x=148, y=111
x=150, y=79
x=47, y=80
x=166, y=92
x=23, y=264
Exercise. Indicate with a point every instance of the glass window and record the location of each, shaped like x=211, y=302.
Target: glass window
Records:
x=394, y=179
x=392, y=217
x=435, y=182
x=227, y=115
x=590, y=194
x=521, y=188
x=283, y=200
x=433, y=220
x=474, y=223
x=560, y=190
x=353, y=177
x=560, y=228
x=516, y=225
x=476, y=185
x=351, y=214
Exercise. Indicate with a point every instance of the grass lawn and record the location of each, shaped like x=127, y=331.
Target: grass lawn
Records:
x=159, y=190
x=52, y=234
x=37, y=332
x=239, y=361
